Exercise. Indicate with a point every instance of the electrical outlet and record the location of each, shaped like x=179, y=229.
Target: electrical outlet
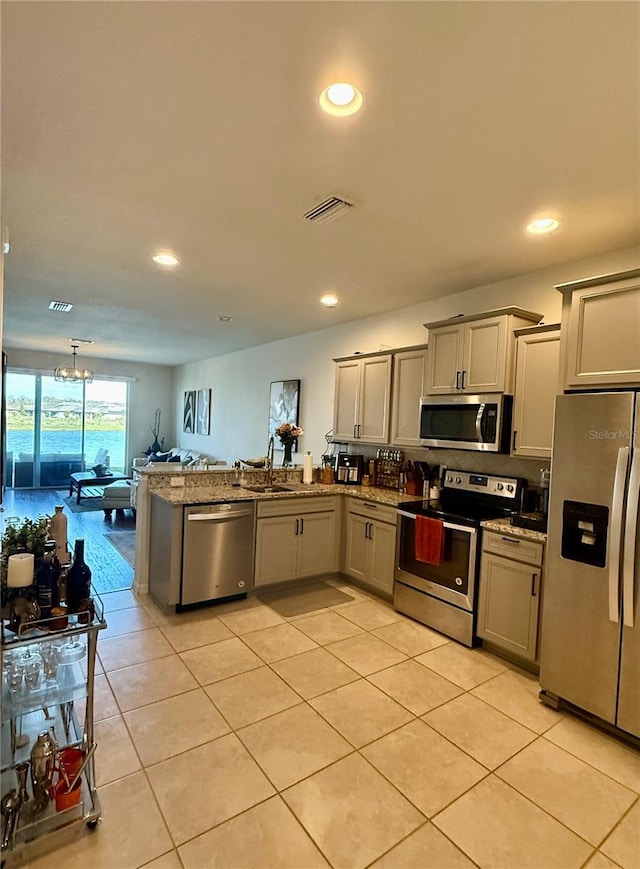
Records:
x=176, y=482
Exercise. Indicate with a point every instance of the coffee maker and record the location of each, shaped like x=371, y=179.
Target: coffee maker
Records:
x=349, y=469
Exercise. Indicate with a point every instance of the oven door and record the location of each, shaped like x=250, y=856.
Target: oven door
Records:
x=453, y=581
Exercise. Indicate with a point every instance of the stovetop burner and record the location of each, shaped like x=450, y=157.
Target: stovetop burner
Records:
x=470, y=515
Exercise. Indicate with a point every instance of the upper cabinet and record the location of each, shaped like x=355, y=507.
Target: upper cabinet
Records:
x=362, y=398
x=409, y=367
x=537, y=380
x=474, y=354
x=601, y=331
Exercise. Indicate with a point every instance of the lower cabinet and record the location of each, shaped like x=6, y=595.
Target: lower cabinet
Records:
x=370, y=544
x=510, y=588
x=295, y=539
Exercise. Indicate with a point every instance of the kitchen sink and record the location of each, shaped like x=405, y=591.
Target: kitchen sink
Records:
x=266, y=490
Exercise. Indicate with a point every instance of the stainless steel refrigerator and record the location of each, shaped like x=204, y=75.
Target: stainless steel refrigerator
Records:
x=590, y=652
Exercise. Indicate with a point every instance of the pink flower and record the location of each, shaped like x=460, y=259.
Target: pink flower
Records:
x=288, y=432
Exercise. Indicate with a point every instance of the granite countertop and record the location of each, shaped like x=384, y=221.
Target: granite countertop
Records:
x=503, y=526
x=181, y=495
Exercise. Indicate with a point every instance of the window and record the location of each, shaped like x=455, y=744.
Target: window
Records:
x=54, y=429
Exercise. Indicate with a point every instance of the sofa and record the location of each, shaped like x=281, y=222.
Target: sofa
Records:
x=176, y=456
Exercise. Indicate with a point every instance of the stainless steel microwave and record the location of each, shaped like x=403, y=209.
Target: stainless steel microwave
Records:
x=466, y=422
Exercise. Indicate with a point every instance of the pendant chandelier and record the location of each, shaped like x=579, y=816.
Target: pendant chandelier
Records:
x=63, y=374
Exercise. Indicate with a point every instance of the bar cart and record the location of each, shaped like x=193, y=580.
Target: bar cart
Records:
x=47, y=716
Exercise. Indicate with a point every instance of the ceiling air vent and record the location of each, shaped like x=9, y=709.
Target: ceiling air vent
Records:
x=328, y=210
x=63, y=307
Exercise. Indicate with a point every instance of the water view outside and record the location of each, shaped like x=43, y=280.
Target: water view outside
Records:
x=62, y=409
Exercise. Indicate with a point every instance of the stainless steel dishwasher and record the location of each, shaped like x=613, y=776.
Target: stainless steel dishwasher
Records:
x=217, y=551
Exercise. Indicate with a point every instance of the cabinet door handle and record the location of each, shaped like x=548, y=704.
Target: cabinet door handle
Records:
x=511, y=540
x=302, y=526
x=359, y=430
x=354, y=431
x=297, y=527
x=464, y=374
x=533, y=584
x=366, y=530
x=370, y=530
x=457, y=380
x=515, y=435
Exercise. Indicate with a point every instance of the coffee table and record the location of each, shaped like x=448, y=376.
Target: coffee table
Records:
x=82, y=479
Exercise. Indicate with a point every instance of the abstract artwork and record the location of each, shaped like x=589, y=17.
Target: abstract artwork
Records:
x=189, y=415
x=203, y=419
x=284, y=403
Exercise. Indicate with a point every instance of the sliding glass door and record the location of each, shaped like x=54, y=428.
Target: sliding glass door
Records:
x=60, y=418
x=55, y=429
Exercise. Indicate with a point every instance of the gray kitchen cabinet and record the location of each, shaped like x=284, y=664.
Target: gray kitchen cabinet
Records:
x=362, y=398
x=474, y=354
x=295, y=539
x=537, y=381
x=408, y=382
x=600, y=329
x=510, y=589
x=370, y=545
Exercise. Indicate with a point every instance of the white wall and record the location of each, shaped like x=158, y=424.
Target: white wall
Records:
x=151, y=387
x=240, y=381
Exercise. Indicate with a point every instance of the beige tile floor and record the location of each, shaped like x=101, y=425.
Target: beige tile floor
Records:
x=350, y=737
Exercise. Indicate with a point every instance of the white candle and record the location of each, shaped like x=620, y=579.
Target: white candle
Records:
x=20, y=570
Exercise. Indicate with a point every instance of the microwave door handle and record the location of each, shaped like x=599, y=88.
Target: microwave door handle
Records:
x=615, y=537
x=479, y=416
x=630, y=537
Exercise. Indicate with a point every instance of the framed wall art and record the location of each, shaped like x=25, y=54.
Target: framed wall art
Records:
x=203, y=417
x=189, y=415
x=284, y=403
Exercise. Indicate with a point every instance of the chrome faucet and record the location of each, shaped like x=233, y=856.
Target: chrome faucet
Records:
x=270, y=450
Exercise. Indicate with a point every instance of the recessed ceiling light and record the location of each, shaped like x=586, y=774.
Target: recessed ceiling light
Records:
x=543, y=225
x=341, y=99
x=224, y=319
x=164, y=258
x=329, y=301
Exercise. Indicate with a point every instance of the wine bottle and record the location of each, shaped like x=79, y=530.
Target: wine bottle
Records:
x=47, y=578
x=78, y=579
x=58, y=532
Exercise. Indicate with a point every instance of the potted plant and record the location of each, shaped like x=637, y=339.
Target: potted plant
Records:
x=28, y=535
x=155, y=431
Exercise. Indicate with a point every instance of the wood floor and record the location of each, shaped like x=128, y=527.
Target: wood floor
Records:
x=110, y=571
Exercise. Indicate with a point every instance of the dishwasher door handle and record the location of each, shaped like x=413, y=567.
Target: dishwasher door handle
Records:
x=213, y=517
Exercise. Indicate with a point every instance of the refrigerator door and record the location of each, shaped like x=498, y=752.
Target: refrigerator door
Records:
x=580, y=645
x=629, y=691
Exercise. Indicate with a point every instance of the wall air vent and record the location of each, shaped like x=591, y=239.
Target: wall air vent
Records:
x=328, y=210
x=62, y=307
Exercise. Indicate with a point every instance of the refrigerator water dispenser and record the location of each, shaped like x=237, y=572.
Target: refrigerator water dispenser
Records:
x=584, y=533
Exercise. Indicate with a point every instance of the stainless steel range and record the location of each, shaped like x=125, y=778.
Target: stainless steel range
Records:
x=443, y=595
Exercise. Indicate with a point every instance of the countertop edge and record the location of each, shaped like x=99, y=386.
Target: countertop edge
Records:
x=503, y=526
x=186, y=496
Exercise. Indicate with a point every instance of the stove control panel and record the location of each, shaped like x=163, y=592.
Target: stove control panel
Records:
x=465, y=481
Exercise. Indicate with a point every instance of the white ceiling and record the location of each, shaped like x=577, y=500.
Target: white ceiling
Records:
x=130, y=126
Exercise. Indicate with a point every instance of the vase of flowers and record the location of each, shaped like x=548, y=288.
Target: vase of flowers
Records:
x=288, y=433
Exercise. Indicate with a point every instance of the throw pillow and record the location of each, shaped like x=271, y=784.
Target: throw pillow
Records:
x=174, y=459
x=158, y=457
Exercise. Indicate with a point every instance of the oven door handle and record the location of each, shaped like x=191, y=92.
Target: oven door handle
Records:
x=448, y=525
x=479, y=416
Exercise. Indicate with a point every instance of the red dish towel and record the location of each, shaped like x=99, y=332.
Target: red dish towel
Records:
x=429, y=545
